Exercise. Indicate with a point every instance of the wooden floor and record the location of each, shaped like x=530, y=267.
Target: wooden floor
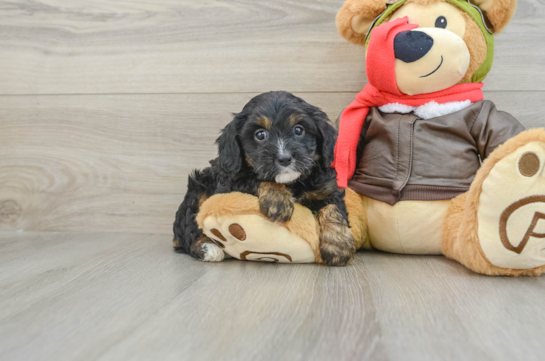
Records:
x=67, y=296
x=105, y=106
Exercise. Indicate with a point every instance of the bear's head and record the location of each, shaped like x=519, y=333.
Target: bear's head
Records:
x=452, y=44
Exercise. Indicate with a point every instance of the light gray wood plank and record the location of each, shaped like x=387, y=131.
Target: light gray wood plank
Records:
x=166, y=46
x=527, y=107
x=120, y=297
x=120, y=163
x=108, y=163
x=432, y=308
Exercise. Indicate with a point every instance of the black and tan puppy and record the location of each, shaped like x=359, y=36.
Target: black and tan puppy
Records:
x=279, y=148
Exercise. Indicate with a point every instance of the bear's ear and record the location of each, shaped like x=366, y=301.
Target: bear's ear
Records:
x=356, y=17
x=497, y=12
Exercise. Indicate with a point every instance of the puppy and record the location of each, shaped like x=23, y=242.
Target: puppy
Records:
x=279, y=148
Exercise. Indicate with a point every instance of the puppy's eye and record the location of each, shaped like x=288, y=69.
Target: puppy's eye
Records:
x=441, y=22
x=261, y=135
x=299, y=130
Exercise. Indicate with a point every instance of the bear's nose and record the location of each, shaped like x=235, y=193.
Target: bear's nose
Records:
x=410, y=46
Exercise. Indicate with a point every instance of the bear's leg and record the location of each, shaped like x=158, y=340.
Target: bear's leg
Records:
x=235, y=223
x=498, y=226
x=357, y=218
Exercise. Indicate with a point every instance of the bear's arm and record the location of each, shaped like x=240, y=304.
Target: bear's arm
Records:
x=492, y=128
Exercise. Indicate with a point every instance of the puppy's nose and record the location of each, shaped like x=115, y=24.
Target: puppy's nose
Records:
x=410, y=46
x=284, y=160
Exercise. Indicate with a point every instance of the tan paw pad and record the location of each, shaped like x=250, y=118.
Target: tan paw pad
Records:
x=254, y=238
x=529, y=164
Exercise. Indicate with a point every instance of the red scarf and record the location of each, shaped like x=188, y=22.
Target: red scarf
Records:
x=381, y=90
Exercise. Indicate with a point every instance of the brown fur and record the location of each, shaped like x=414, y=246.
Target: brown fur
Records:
x=499, y=14
x=203, y=199
x=460, y=239
x=295, y=118
x=336, y=241
x=275, y=201
x=264, y=122
x=322, y=193
x=476, y=44
x=371, y=9
x=249, y=161
x=197, y=246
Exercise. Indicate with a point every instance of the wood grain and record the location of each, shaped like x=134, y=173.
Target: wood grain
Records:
x=120, y=163
x=211, y=46
x=115, y=163
x=105, y=107
x=130, y=297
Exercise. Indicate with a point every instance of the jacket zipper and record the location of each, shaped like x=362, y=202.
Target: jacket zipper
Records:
x=399, y=191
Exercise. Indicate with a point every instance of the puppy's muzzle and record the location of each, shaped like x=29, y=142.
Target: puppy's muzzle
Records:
x=284, y=160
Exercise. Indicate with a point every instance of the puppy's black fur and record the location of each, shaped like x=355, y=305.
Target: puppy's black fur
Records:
x=276, y=133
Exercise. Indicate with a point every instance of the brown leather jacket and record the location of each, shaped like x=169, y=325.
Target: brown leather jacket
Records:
x=403, y=157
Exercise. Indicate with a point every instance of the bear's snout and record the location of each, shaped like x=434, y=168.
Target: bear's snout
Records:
x=410, y=46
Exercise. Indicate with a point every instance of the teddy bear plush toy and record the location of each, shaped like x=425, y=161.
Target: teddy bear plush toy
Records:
x=429, y=166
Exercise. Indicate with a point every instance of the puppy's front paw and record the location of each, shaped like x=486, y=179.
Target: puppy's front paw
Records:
x=275, y=202
x=276, y=209
x=207, y=250
x=337, y=245
x=212, y=253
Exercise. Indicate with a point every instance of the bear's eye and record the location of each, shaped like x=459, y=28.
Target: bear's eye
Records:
x=261, y=135
x=299, y=130
x=441, y=22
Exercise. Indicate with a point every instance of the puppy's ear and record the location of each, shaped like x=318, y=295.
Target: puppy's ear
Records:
x=497, y=12
x=327, y=136
x=229, y=152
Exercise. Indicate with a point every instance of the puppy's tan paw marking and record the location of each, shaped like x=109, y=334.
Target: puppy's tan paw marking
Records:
x=529, y=164
x=275, y=202
x=237, y=231
x=276, y=210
